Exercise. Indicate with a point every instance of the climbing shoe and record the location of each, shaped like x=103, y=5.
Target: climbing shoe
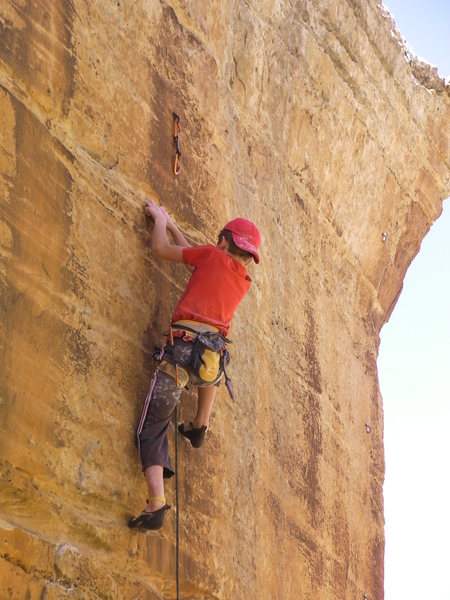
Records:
x=149, y=520
x=195, y=436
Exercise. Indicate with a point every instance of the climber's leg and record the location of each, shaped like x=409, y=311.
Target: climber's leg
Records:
x=152, y=432
x=155, y=484
x=205, y=401
x=195, y=430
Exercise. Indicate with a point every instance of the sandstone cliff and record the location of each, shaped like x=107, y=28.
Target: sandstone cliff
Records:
x=304, y=116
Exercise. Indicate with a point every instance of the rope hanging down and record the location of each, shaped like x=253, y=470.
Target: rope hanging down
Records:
x=177, y=527
x=177, y=495
x=176, y=170
x=176, y=139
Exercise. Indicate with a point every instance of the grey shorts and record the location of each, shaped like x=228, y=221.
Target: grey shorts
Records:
x=159, y=405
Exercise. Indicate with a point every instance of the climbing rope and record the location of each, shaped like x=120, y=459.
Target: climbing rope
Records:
x=177, y=495
x=176, y=170
x=177, y=526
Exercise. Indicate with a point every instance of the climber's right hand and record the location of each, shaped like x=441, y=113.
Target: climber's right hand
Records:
x=153, y=210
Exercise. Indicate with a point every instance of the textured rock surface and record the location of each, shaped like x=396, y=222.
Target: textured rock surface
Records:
x=304, y=116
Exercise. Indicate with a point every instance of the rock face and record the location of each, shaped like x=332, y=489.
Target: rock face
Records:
x=306, y=117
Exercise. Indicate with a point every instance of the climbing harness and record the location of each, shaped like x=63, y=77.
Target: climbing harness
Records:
x=207, y=361
x=176, y=139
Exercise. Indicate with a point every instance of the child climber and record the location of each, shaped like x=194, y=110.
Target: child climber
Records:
x=195, y=351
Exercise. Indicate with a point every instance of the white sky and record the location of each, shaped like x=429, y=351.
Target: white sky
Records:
x=414, y=373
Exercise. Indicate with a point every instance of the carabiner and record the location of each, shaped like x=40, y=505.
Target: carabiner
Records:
x=176, y=139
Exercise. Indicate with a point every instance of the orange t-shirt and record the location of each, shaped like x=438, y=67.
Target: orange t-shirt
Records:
x=216, y=287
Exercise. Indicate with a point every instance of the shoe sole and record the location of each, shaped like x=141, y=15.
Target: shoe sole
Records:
x=149, y=521
x=196, y=437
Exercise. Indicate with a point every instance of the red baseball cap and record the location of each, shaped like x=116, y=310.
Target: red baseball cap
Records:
x=245, y=235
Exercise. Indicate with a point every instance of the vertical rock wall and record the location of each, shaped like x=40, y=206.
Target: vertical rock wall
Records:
x=303, y=116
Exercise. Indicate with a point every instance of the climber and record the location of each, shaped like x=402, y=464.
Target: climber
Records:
x=195, y=350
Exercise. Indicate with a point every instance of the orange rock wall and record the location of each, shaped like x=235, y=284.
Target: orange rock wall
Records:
x=303, y=116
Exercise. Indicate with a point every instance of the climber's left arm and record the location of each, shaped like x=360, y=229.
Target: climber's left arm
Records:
x=176, y=234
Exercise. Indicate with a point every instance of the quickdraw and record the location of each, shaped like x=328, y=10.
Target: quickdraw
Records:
x=176, y=139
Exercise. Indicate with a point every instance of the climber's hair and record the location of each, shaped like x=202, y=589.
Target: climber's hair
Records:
x=232, y=248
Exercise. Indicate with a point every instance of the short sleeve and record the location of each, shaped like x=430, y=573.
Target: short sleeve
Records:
x=195, y=255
